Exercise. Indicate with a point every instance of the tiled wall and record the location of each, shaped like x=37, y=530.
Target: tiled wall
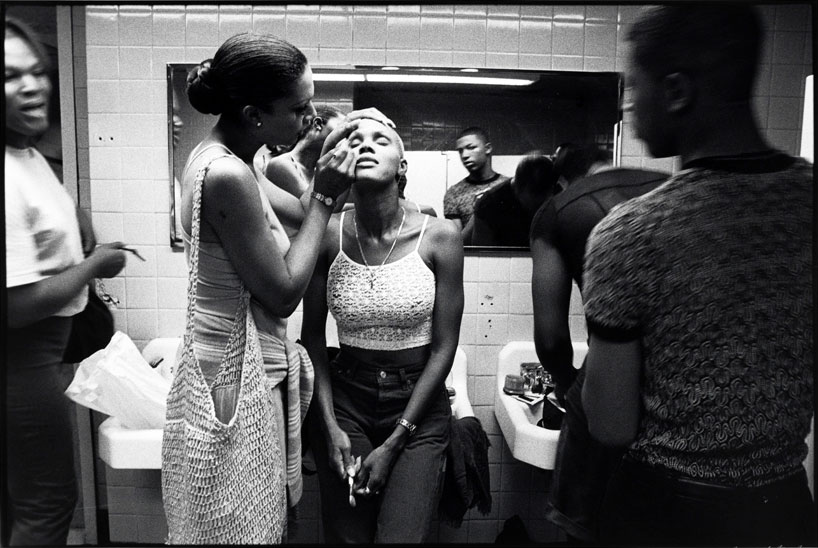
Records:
x=126, y=169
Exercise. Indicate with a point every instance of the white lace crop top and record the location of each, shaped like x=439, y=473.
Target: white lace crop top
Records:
x=394, y=312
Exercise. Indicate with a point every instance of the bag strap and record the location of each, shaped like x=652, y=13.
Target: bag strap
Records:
x=193, y=270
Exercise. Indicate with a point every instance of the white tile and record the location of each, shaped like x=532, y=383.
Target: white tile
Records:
x=536, y=11
x=520, y=300
x=575, y=304
x=470, y=299
x=369, y=9
x=471, y=271
x=436, y=33
x=135, y=62
x=105, y=130
x=172, y=292
x=115, y=287
x=493, y=269
x=785, y=139
x=107, y=226
x=106, y=195
x=137, y=131
x=520, y=327
x=197, y=54
x=335, y=31
x=502, y=60
x=139, y=196
x=532, y=61
x=171, y=323
x=568, y=38
x=140, y=269
x=658, y=164
x=303, y=30
x=141, y=292
x=402, y=32
x=483, y=393
x=139, y=228
x=105, y=163
x=404, y=58
x=161, y=223
x=142, y=324
x=161, y=56
x=269, y=20
x=468, y=328
x=602, y=13
x=469, y=34
x=599, y=64
x=362, y=56
x=101, y=28
x=504, y=10
x=485, y=355
x=567, y=62
x=469, y=59
x=403, y=9
x=335, y=56
x=233, y=20
x=103, y=96
x=102, y=62
x=202, y=26
x=136, y=94
x=442, y=9
x=168, y=25
x=521, y=269
x=135, y=26
x=436, y=58
x=492, y=329
x=578, y=327
x=535, y=36
x=793, y=17
x=503, y=36
x=600, y=39
x=492, y=297
x=368, y=31
x=569, y=13
x=120, y=320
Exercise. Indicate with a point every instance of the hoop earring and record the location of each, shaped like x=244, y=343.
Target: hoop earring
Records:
x=258, y=124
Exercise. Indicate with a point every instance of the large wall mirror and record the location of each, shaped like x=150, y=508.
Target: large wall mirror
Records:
x=521, y=112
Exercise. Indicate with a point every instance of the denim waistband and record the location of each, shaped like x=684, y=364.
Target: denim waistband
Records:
x=701, y=488
x=347, y=360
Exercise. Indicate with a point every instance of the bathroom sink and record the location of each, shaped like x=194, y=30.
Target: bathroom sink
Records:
x=528, y=442
x=122, y=447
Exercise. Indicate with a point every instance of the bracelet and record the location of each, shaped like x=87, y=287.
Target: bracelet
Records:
x=406, y=424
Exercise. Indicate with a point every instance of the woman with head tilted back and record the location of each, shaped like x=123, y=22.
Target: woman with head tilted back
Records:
x=51, y=256
x=261, y=87
x=393, y=279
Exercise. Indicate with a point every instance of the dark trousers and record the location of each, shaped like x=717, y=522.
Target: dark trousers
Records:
x=648, y=506
x=368, y=400
x=582, y=470
x=41, y=487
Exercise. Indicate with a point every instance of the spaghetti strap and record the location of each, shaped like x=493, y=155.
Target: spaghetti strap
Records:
x=341, y=232
x=422, y=231
x=417, y=205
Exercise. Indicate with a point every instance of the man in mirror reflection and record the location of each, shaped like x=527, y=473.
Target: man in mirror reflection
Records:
x=699, y=302
x=474, y=148
x=502, y=215
x=558, y=236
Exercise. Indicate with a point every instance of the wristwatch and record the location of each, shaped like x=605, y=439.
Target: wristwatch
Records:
x=324, y=199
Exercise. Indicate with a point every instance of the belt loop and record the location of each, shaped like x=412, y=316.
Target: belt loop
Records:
x=403, y=379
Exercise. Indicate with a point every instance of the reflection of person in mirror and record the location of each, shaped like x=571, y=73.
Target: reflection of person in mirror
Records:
x=558, y=235
x=474, y=148
x=287, y=178
x=699, y=302
x=51, y=256
x=261, y=88
x=177, y=126
x=502, y=215
x=393, y=279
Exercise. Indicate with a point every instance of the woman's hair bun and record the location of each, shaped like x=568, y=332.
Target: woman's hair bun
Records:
x=205, y=90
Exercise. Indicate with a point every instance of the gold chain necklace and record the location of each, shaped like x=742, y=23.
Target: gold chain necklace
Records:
x=373, y=273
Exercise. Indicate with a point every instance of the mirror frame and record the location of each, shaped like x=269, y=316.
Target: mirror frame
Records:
x=361, y=73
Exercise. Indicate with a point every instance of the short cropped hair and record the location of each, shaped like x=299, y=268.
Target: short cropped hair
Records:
x=474, y=130
x=719, y=41
x=574, y=161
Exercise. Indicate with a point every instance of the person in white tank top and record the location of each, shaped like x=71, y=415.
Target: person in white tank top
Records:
x=393, y=279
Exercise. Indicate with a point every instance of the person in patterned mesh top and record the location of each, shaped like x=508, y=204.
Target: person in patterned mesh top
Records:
x=698, y=297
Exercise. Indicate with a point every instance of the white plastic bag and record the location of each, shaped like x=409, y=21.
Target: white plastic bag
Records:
x=119, y=382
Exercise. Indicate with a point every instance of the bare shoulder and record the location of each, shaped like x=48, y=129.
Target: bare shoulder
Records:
x=443, y=237
x=229, y=181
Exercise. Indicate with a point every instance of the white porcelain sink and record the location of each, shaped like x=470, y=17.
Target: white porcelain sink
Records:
x=122, y=447
x=518, y=421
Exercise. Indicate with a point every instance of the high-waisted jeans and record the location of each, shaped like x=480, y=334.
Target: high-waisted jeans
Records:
x=368, y=400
